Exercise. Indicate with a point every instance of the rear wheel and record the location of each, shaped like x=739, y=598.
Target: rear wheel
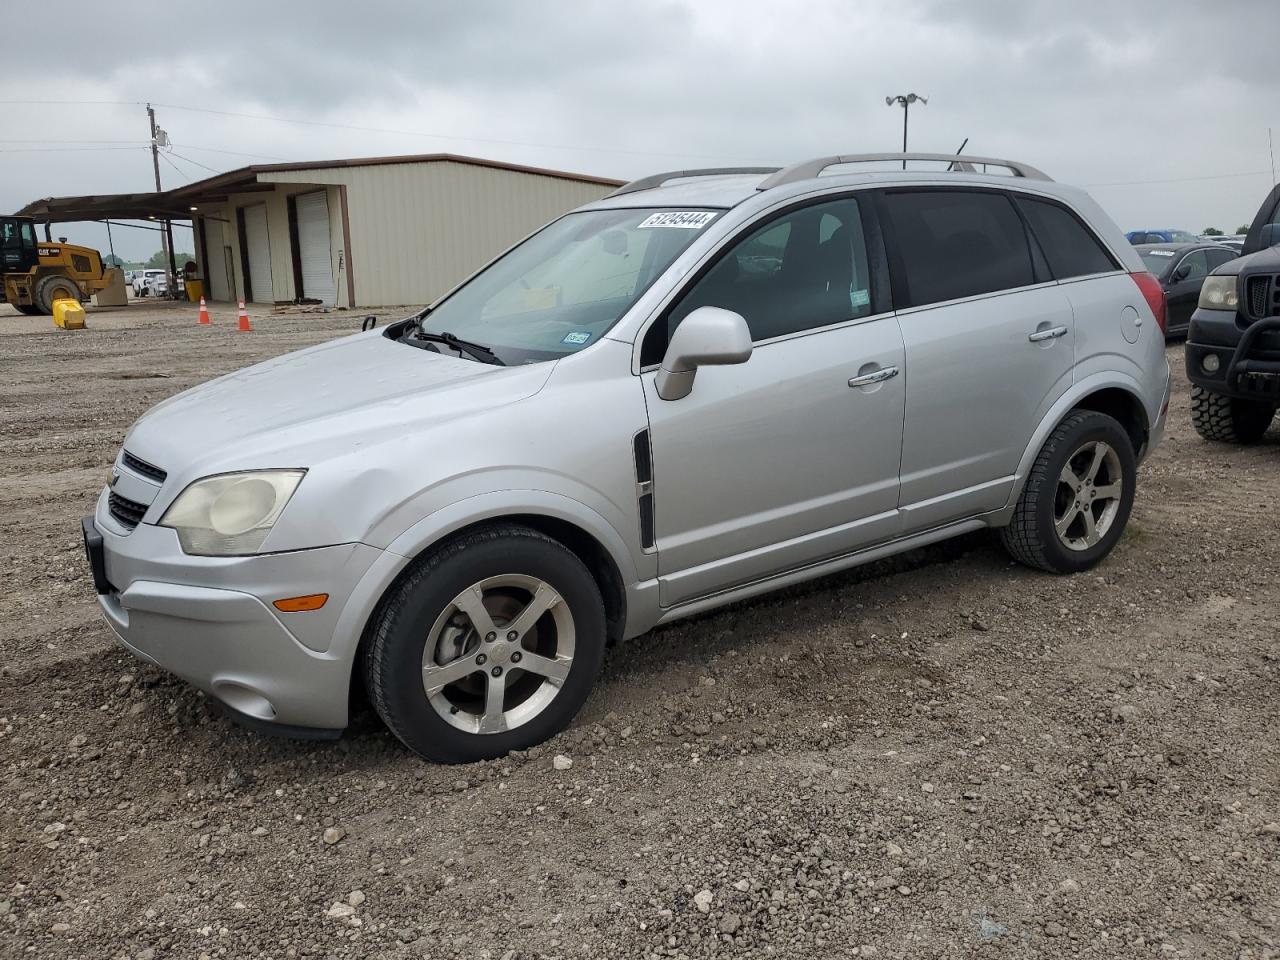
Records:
x=1077, y=498
x=489, y=644
x=1228, y=419
x=55, y=288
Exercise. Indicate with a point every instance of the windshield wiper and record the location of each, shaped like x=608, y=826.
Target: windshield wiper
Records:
x=477, y=351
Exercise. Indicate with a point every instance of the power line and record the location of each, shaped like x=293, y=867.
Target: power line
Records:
x=433, y=136
x=234, y=153
x=196, y=162
x=50, y=140
x=66, y=149
x=1219, y=176
x=182, y=173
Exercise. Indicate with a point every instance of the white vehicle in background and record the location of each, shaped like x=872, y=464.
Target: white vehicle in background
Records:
x=144, y=280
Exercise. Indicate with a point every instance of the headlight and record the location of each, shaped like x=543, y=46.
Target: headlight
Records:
x=1219, y=293
x=230, y=514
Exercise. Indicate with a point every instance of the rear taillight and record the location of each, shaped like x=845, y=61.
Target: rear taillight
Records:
x=1154, y=293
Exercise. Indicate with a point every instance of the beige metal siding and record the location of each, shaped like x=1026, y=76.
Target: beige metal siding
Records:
x=419, y=228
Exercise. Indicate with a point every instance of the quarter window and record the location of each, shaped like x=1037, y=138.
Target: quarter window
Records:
x=803, y=270
x=1218, y=257
x=1072, y=251
x=958, y=243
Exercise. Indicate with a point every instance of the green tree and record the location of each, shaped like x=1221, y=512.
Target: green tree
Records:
x=1243, y=229
x=159, y=262
x=111, y=260
x=1212, y=232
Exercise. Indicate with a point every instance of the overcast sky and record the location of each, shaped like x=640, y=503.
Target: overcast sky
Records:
x=1114, y=96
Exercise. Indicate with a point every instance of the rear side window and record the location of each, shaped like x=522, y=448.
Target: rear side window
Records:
x=956, y=244
x=1071, y=249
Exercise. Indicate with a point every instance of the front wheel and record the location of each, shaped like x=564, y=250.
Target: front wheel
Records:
x=53, y=288
x=1229, y=419
x=1077, y=498
x=489, y=644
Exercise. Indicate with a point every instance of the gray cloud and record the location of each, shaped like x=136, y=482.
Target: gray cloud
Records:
x=1095, y=93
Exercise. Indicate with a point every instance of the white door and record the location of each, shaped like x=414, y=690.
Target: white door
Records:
x=259, y=250
x=313, y=248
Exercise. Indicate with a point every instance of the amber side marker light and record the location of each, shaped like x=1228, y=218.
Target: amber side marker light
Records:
x=312, y=601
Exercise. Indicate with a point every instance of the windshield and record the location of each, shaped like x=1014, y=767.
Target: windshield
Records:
x=562, y=289
x=1181, y=236
x=1158, y=261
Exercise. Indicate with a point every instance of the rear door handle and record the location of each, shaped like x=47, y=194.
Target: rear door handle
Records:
x=1053, y=333
x=876, y=376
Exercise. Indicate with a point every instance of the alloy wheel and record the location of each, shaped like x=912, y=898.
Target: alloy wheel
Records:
x=498, y=654
x=1088, y=495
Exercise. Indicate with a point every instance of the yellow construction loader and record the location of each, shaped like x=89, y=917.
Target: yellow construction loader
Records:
x=33, y=274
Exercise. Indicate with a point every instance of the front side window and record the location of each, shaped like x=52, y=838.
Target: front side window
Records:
x=957, y=244
x=1194, y=266
x=567, y=285
x=805, y=269
x=1071, y=249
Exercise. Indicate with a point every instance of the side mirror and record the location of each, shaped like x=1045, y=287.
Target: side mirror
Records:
x=707, y=336
x=1270, y=235
x=1181, y=273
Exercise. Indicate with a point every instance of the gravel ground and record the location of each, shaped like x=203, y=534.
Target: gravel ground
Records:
x=940, y=756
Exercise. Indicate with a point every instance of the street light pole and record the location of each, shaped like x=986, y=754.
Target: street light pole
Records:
x=905, y=100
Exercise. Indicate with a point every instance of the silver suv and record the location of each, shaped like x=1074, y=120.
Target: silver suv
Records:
x=706, y=386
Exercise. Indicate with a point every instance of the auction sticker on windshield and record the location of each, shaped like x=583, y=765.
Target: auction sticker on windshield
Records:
x=684, y=219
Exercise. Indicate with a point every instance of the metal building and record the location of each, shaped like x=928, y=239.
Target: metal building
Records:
x=350, y=233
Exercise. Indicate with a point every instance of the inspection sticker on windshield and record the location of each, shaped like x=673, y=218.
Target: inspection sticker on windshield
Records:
x=684, y=219
x=576, y=336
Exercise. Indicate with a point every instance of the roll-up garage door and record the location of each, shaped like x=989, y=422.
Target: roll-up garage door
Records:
x=313, y=248
x=259, y=249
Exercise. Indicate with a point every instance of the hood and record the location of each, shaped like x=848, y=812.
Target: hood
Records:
x=304, y=406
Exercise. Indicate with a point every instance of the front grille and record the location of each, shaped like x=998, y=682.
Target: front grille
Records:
x=1256, y=296
x=142, y=467
x=126, y=512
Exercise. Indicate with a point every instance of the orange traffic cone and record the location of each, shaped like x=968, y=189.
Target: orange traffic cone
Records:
x=244, y=318
x=204, y=312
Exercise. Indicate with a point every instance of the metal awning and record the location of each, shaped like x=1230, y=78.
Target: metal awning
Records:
x=180, y=202
x=108, y=206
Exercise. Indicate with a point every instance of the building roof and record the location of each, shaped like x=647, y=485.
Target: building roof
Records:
x=177, y=203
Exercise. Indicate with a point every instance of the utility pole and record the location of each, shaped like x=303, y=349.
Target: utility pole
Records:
x=166, y=238
x=905, y=100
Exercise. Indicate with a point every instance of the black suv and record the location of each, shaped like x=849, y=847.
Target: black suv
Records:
x=1233, y=345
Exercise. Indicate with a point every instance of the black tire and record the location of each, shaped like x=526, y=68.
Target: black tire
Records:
x=30, y=309
x=1031, y=537
x=55, y=287
x=1229, y=419
x=399, y=629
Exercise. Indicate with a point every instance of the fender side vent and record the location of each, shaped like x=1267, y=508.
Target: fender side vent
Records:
x=644, y=465
x=646, y=521
x=644, y=486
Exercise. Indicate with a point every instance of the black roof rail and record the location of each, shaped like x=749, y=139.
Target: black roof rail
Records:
x=808, y=169
x=658, y=179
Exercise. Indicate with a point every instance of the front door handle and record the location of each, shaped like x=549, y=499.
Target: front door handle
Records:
x=1053, y=333
x=876, y=376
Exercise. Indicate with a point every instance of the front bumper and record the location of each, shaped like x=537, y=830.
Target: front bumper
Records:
x=209, y=620
x=1248, y=355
